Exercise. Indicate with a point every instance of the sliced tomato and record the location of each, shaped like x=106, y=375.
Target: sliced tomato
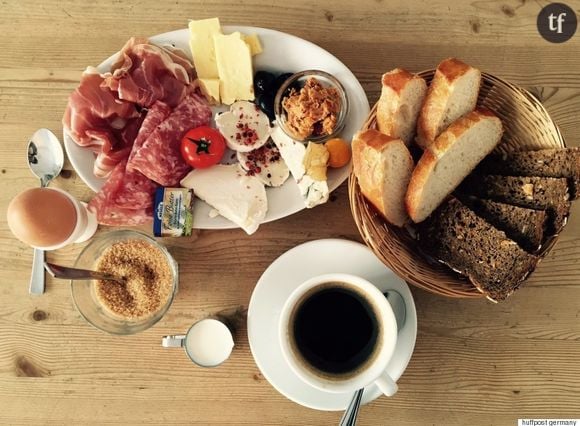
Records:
x=203, y=147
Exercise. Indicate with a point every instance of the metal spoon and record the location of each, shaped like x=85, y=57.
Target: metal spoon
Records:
x=400, y=310
x=351, y=412
x=66, y=273
x=45, y=160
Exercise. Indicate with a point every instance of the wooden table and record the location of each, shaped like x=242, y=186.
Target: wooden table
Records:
x=474, y=362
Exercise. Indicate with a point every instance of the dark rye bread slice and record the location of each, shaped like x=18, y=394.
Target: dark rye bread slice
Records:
x=557, y=163
x=524, y=226
x=458, y=237
x=541, y=193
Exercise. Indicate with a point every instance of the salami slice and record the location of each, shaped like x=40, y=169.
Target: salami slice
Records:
x=159, y=158
x=118, y=216
x=135, y=192
x=103, y=197
x=156, y=115
x=126, y=199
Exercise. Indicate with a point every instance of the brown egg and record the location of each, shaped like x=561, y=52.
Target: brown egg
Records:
x=41, y=217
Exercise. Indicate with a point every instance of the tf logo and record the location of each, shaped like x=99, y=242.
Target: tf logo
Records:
x=557, y=23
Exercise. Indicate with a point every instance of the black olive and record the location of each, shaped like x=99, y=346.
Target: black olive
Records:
x=263, y=82
x=279, y=81
x=266, y=104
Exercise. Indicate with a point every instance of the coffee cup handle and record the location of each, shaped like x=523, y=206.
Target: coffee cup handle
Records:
x=387, y=385
x=176, y=341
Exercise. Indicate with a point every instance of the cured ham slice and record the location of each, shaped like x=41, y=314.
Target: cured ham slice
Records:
x=144, y=73
x=126, y=199
x=159, y=158
x=96, y=118
x=110, y=155
x=94, y=114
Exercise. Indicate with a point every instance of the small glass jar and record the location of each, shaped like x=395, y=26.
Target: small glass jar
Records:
x=297, y=81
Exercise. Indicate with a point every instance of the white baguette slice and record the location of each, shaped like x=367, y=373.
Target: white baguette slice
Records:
x=383, y=166
x=453, y=155
x=398, y=108
x=452, y=94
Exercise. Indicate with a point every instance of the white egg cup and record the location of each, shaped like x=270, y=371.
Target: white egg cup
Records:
x=85, y=227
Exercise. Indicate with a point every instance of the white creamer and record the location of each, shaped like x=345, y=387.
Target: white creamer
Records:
x=209, y=343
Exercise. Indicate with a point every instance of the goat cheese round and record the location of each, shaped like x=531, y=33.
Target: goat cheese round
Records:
x=244, y=126
x=266, y=164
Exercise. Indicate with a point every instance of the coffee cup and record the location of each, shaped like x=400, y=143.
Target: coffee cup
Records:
x=208, y=343
x=338, y=333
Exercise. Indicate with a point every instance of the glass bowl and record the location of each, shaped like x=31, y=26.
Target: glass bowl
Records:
x=84, y=293
x=297, y=81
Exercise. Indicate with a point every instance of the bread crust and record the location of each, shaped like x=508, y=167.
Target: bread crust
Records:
x=453, y=68
x=421, y=173
x=371, y=179
x=440, y=89
x=431, y=156
x=458, y=127
x=390, y=104
x=397, y=79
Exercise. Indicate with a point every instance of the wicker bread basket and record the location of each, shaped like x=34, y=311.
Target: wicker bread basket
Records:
x=527, y=126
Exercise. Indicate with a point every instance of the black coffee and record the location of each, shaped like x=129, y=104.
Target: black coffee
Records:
x=335, y=329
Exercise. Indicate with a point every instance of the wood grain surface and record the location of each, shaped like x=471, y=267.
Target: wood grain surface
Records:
x=475, y=363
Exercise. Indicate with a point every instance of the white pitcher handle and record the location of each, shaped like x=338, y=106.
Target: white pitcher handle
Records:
x=176, y=341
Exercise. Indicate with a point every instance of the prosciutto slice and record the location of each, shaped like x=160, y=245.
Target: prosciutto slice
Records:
x=159, y=158
x=96, y=118
x=145, y=73
x=126, y=199
x=110, y=155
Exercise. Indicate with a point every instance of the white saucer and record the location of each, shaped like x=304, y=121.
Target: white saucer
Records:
x=282, y=277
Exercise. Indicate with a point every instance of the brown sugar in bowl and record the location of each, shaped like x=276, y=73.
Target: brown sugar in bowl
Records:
x=114, y=316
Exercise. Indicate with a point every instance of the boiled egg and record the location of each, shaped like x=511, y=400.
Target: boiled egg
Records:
x=41, y=217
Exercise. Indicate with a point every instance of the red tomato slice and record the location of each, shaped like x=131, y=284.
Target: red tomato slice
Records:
x=203, y=147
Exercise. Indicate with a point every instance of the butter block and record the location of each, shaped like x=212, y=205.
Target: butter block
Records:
x=173, y=215
x=253, y=43
x=210, y=87
x=234, y=64
x=201, y=35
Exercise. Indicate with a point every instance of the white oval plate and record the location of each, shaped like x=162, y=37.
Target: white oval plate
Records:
x=282, y=53
x=275, y=286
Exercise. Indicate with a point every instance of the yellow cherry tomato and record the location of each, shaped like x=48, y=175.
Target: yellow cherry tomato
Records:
x=339, y=152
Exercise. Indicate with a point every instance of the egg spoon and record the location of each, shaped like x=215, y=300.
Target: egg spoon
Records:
x=45, y=160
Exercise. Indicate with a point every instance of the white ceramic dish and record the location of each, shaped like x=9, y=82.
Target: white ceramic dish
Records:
x=282, y=53
x=277, y=283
